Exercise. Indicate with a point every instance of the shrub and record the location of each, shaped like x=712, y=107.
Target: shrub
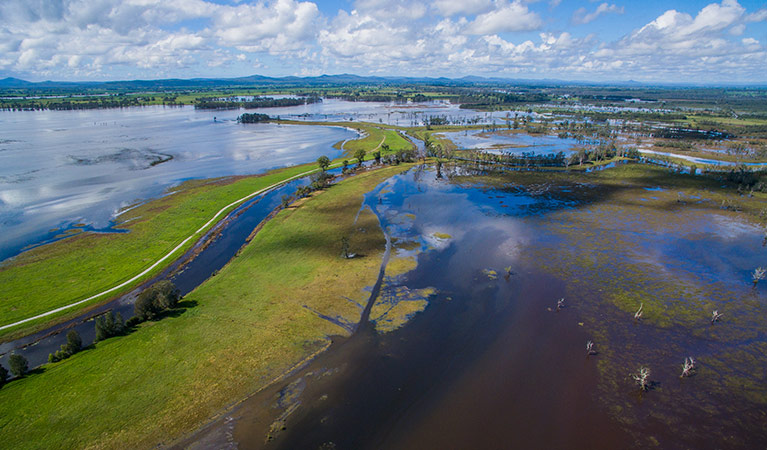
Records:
x=320, y=180
x=133, y=321
x=74, y=342
x=3, y=375
x=157, y=298
x=18, y=364
x=108, y=325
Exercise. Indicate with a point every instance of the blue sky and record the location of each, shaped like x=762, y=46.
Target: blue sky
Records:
x=652, y=40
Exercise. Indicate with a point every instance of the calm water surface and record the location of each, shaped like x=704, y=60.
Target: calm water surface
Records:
x=486, y=362
x=77, y=169
x=61, y=168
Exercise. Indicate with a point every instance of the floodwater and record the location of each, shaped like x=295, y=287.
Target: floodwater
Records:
x=64, y=171
x=515, y=143
x=702, y=161
x=392, y=113
x=482, y=359
x=77, y=169
x=212, y=252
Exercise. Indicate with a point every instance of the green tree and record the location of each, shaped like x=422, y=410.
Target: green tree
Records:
x=74, y=342
x=108, y=325
x=18, y=364
x=377, y=156
x=3, y=375
x=360, y=156
x=324, y=162
x=167, y=294
x=155, y=299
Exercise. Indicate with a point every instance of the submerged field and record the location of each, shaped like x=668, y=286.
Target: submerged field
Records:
x=478, y=353
x=243, y=328
x=464, y=334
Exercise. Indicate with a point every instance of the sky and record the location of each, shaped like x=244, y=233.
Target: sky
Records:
x=587, y=40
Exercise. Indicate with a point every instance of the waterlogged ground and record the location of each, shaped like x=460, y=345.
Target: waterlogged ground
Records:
x=510, y=141
x=69, y=171
x=465, y=347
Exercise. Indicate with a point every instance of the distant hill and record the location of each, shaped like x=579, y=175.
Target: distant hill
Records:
x=292, y=81
x=14, y=83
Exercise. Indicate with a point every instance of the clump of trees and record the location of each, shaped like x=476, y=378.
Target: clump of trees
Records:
x=253, y=118
x=156, y=299
x=257, y=102
x=400, y=156
x=74, y=344
x=108, y=325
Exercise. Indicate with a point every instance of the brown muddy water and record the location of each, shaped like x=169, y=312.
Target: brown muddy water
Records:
x=467, y=349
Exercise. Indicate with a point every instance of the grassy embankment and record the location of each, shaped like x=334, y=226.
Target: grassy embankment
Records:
x=66, y=271
x=240, y=330
x=374, y=137
x=63, y=272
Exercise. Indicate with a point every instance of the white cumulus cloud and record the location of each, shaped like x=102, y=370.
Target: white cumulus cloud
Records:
x=514, y=16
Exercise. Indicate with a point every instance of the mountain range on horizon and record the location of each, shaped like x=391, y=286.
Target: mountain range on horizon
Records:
x=330, y=80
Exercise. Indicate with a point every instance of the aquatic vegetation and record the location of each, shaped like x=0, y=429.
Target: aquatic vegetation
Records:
x=688, y=367
x=397, y=305
x=490, y=273
x=642, y=378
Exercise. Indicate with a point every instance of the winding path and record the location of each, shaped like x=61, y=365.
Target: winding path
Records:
x=166, y=256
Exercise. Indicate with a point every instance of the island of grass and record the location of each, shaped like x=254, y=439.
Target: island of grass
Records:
x=230, y=337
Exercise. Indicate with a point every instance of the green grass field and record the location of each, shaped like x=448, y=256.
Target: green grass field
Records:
x=240, y=330
x=374, y=137
x=63, y=272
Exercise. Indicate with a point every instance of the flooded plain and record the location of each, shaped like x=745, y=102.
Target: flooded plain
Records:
x=72, y=171
x=466, y=348
x=61, y=170
x=510, y=142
